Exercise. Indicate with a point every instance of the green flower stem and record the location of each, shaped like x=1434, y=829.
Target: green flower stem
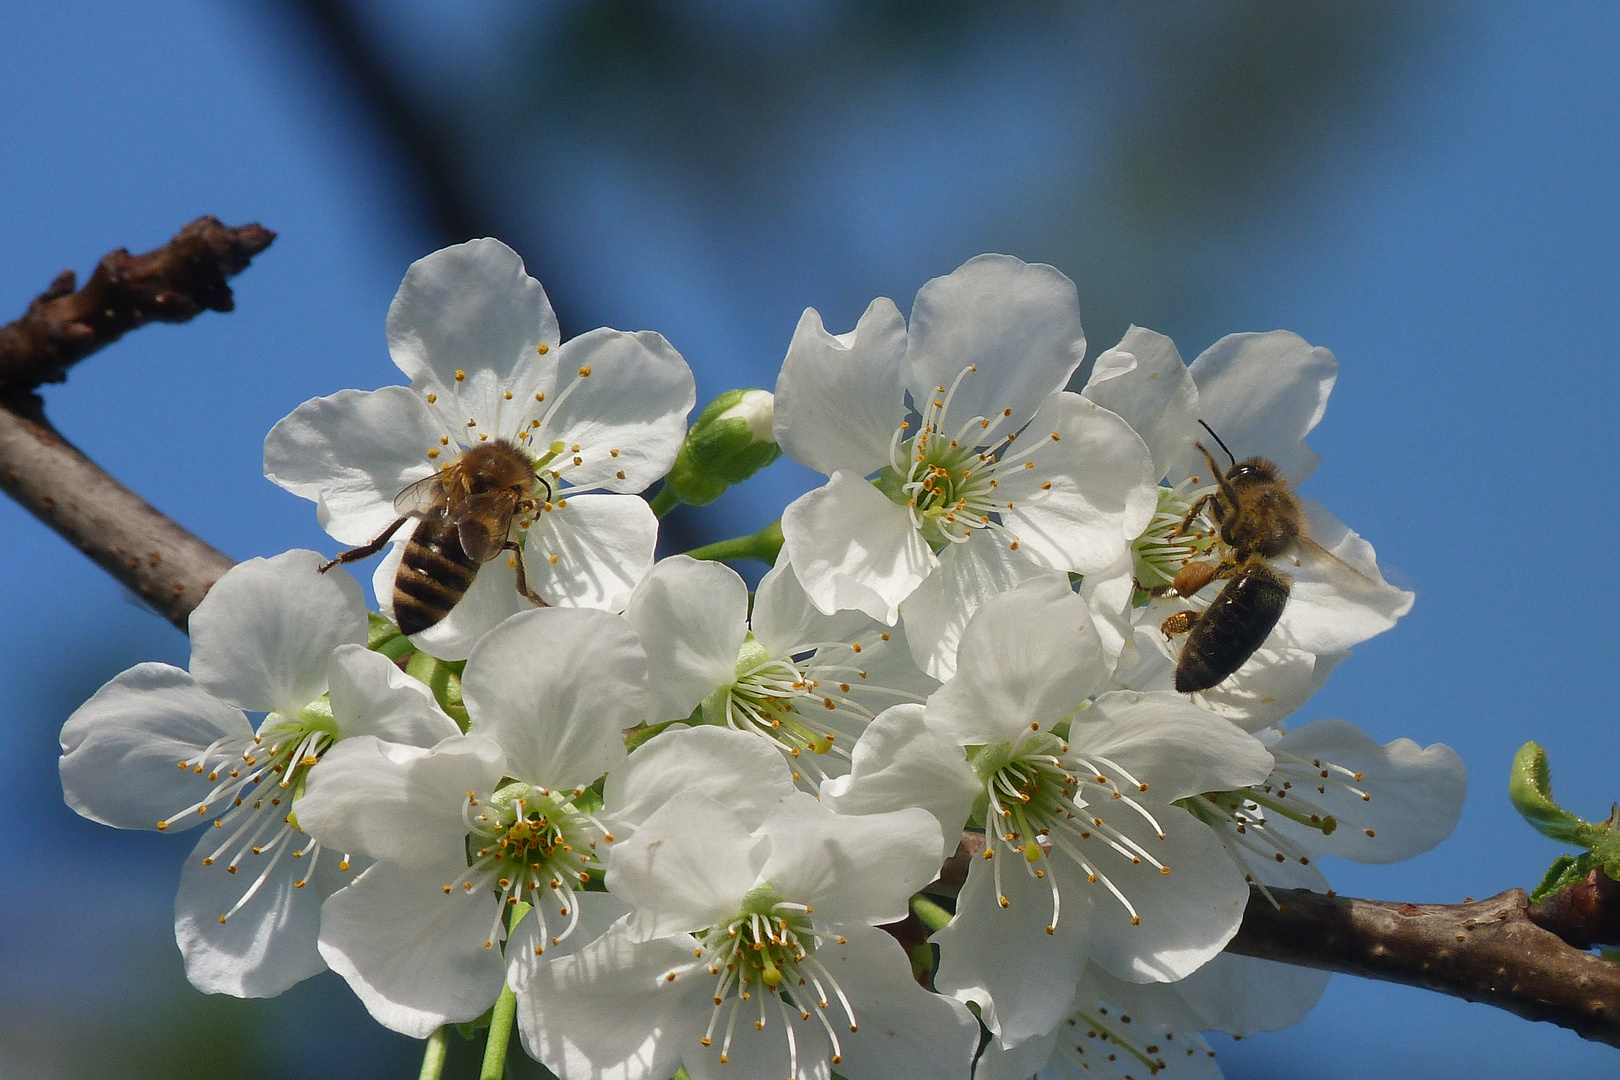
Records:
x=665, y=501
x=438, y=1045
x=764, y=545
x=500, y=1035
x=502, y=1015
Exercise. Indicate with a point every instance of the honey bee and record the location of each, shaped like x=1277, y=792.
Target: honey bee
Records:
x=465, y=513
x=1259, y=518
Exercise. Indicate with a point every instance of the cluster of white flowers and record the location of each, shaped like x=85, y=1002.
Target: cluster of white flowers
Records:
x=671, y=821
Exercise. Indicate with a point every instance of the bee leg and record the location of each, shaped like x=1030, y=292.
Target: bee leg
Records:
x=365, y=551
x=1197, y=506
x=522, y=578
x=1179, y=623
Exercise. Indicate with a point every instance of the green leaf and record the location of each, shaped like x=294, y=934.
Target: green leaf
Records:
x=1530, y=788
x=1565, y=871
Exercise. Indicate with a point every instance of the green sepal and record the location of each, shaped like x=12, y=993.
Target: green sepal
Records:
x=642, y=733
x=443, y=677
x=720, y=451
x=384, y=637
x=1530, y=788
x=469, y=1029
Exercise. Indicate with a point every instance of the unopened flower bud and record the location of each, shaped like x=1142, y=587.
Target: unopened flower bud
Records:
x=730, y=441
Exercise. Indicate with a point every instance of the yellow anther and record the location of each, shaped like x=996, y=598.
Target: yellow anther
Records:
x=542, y=348
x=461, y=375
x=585, y=372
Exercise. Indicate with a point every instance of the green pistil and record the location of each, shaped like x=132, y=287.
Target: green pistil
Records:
x=942, y=487
x=763, y=940
x=1032, y=793
x=533, y=837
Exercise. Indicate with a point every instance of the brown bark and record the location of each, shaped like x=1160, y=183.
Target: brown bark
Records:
x=162, y=562
x=116, y=529
x=1499, y=951
x=174, y=283
x=1487, y=950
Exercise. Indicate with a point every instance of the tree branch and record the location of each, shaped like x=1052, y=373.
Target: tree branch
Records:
x=1498, y=951
x=161, y=561
x=174, y=283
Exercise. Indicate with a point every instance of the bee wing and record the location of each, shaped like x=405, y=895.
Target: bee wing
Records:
x=484, y=524
x=1340, y=597
x=1323, y=563
x=424, y=498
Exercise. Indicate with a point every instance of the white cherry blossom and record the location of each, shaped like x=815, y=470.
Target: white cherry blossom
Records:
x=602, y=416
x=271, y=636
x=463, y=830
x=1088, y=856
x=986, y=471
x=1261, y=394
x=1116, y=1031
x=807, y=681
x=752, y=950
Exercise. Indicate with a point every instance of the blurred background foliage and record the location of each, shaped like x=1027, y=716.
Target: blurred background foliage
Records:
x=1425, y=188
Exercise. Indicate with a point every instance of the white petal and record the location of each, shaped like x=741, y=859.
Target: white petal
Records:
x=1337, y=602
x=352, y=453
x=1270, y=685
x=839, y=399
x=1030, y=656
x=528, y=949
x=1415, y=794
x=1108, y=594
x=1243, y=996
x=785, y=622
x=471, y=308
x=851, y=869
x=904, y=1030
x=371, y=696
x=627, y=416
x=401, y=804
x=998, y=1061
x=411, y=952
x=491, y=599
x=1262, y=394
x=1187, y=915
x=1156, y=1016
x=262, y=636
x=686, y=867
x=692, y=617
x=607, y=1013
x=122, y=748
x=1144, y=381
x=1091, y=492
x=1019, y=322
x=901, y=762
x=741, y=772
x=269, y=944
x=968, y=574
x=1168, y=743
x=555, y=687
x=853, y=548
x=1002, y=957
x=602, y=546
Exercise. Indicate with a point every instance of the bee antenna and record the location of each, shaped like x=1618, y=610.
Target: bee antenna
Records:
x=1217, y=438
x=543, y=480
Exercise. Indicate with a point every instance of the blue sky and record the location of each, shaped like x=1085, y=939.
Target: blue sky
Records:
x=1454, y=241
